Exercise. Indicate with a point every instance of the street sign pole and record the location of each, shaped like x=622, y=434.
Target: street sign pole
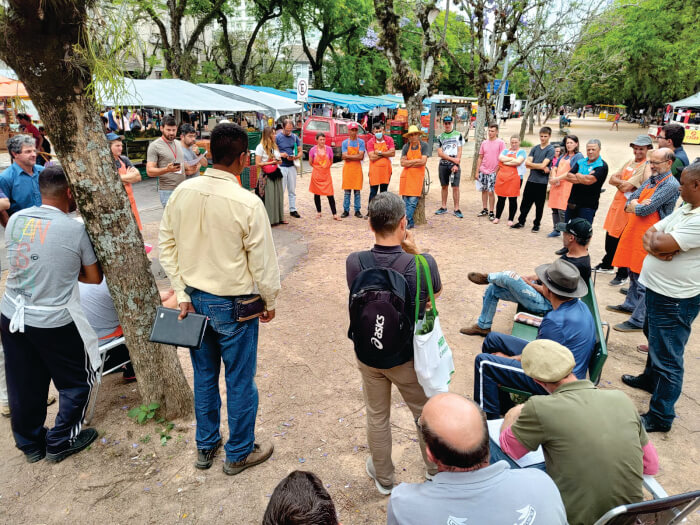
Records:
x=302, y=96
x=502, y=89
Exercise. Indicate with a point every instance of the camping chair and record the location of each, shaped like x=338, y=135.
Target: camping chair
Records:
x=667, y=510
x=118, y=340
x=600, y=350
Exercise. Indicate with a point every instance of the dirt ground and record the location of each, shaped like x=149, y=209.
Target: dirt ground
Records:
x=311, y=403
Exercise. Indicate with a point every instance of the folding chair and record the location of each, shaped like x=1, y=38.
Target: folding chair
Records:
x=665, y=511
x=118, y=340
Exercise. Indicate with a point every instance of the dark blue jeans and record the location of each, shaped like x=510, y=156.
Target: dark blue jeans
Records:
x=490, y=371
x=668, y=328
x=236, y=344
x=411, y=203
x=584, y=213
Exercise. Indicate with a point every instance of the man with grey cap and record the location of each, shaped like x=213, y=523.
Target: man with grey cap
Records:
x=466, y=488
x=570, y=323
x=595, y=447
x=626, y=180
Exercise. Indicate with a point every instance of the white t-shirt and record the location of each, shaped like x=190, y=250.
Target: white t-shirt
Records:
x=679, y=277
x=261, y=156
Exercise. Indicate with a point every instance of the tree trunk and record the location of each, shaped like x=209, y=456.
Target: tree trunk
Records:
x=531, y=127
x=479, y=124
x=58, y=89
x=414, y=106
x=523, y=122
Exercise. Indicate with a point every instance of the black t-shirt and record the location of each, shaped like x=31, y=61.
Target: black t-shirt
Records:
x=384, y=257
x=587, y=196
x=582, y=263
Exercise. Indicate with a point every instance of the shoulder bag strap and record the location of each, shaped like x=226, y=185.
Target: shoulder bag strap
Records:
x=367, y=260
x=420, y=261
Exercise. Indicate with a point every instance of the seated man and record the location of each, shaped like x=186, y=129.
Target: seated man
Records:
x=100, y=312
x=594, y=444
x=569, y=323
x=509, y=286
x=466, y=488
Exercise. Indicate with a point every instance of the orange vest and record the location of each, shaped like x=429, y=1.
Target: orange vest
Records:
x=630, y=251
x=616, y=219
x=130, y=194
x=411, y=182
x=321, y=180
x=352, y=170
x=380, y=170
x=507, y=179
x=559, y=195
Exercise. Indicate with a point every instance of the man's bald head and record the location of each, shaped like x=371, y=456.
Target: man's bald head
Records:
x=455, y=432
x=661, y=161
x=663, y=154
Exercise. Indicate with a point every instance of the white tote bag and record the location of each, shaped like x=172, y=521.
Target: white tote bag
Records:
x=432, y=357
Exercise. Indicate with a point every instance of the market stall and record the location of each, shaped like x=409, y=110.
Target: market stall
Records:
x=275, y=105
x=12, y=97
x=687, y=113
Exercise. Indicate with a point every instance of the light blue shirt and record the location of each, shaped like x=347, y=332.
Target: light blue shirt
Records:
x=21, y=187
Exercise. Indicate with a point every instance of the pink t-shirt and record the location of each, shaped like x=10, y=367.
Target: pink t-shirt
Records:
x=490, y=150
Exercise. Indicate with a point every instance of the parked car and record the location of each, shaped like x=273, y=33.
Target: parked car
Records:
x=335, y=129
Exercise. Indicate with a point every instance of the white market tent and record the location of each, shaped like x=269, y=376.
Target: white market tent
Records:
x=276, y=106
x=689, y=102
x=174, y=94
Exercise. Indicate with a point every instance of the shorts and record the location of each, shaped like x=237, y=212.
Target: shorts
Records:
x=486, y=182
x=445, y=171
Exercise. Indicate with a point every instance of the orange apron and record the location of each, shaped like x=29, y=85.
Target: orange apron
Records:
x=507, y=179
x=411, y=181
x=352, y=170
x=616, y=219
x=380, y=170
x=559, y=195
x=130, y=194
x=630, y=251
x=321, y=180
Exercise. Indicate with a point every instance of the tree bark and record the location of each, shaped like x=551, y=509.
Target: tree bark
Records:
x=58, y=89
x=479, y=124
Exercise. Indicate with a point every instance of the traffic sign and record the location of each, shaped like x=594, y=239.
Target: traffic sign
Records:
x=302, y=90
x=497, y=86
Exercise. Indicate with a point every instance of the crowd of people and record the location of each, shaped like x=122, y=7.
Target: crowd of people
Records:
x=51, y=327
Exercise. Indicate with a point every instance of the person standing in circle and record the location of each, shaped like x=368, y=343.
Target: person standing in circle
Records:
x=321, y=159
x=353, y=152
x=560, y=188
x=508, y=179
x=380, y=149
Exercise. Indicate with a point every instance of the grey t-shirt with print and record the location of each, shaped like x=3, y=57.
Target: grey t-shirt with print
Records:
x=46, y=249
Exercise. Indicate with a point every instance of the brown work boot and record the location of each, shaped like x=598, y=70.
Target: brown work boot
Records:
x=260, y=454
x=478, y=278
x=475, y=329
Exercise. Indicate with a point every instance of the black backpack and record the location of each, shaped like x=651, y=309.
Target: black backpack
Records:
x=381, y=316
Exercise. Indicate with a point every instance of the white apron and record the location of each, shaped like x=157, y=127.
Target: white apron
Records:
x=75, y=310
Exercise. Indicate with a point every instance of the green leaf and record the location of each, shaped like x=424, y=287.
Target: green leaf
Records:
x=142, y=417
x=133, y=412
x=153, y=406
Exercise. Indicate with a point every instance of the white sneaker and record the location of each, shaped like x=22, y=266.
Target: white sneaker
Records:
x=369, y=467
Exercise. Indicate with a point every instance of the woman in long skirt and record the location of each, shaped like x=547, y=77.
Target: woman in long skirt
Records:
x=270, y=188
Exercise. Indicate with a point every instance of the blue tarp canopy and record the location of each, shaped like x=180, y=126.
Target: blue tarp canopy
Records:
x=354, y=103
x=286, y=94
x=275, y=105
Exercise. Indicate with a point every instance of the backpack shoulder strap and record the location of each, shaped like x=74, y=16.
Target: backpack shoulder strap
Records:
x=402, y=262
x=367, y=260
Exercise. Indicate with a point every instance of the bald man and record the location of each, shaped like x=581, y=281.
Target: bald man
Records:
x=466, y=488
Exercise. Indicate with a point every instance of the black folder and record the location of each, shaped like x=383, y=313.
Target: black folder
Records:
x=169, y=330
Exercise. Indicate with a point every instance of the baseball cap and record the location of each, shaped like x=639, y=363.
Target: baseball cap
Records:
x=547, y=360
x=578, y=227
x=642, y=140
x=448, y=118
x=112, y=136
x=352, y=125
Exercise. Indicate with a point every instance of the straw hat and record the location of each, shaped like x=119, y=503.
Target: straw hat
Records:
x=412, y=130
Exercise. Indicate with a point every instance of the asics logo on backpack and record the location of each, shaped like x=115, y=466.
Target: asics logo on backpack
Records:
x=378, y=332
